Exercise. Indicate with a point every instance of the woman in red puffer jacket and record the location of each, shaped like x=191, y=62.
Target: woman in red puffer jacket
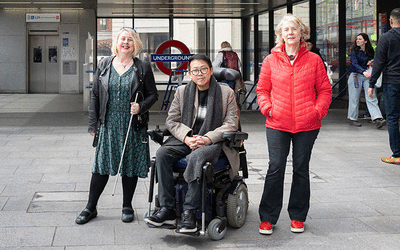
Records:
x=294, y=93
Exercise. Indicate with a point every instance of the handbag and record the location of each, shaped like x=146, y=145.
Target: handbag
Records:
x=96, y=135
x=140, y=121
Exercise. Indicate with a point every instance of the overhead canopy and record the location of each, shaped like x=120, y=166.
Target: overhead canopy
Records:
x=152, y=8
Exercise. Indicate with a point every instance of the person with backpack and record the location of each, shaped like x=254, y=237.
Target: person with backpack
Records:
x=227, y=58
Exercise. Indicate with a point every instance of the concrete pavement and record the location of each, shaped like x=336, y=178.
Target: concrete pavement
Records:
x=45, y=170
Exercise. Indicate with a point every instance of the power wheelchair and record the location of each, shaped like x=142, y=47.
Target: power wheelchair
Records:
x=224, y=201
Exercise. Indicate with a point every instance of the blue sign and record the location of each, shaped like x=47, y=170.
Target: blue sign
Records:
x=65, y=42
x=170, y=57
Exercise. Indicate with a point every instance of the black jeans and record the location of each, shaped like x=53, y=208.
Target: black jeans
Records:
x=166, y=159
x=392, y=105
x=278, y=150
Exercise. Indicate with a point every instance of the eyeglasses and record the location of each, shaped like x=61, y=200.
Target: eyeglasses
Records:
x=129, y=28
x=196, y=72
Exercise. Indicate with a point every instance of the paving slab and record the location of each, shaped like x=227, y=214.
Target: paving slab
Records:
x=84, y=235
x=26, y=236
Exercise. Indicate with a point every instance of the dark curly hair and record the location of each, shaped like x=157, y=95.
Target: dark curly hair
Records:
x=369, y=51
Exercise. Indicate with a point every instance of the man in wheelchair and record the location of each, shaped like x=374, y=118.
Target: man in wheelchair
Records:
x=200, y=113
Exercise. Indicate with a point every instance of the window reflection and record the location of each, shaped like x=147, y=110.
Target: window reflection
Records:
x=53, y=54
x=37, y=54
x=327, y=33
x=360, y=18
x=302, y=11
x=264, y=49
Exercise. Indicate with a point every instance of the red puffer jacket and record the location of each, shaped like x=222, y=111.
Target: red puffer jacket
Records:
x=297, y=95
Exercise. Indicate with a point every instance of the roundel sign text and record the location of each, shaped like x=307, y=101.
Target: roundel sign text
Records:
x=160, y=58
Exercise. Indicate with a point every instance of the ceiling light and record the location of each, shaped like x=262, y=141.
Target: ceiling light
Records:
x=178, y=8
x=214, y=3
x=19, y=9
x=56, y=2
x=58, y=9
x=15, y=2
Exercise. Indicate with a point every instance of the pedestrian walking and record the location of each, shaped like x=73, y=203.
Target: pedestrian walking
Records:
x=387, y=61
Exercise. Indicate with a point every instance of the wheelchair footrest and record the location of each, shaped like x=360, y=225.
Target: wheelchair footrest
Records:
x=196, y=234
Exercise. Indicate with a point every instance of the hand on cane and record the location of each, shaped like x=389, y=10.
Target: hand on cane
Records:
x=135, y=108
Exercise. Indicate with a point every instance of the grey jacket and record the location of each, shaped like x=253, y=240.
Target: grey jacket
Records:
x=143, y=81
x=230, y=113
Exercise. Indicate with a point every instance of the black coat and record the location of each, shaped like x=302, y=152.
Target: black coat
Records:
x=387, y=59
x=143, y=81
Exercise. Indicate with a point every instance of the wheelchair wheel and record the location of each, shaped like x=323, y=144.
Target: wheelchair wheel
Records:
x=237, y=207
x=214, y=229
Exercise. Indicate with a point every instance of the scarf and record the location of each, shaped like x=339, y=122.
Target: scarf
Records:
x=198, y=157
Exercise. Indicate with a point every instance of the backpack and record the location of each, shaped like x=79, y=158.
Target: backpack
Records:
x=230, y=60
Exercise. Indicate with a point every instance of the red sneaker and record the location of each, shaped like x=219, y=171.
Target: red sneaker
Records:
x=297, y=226
x=265, y=228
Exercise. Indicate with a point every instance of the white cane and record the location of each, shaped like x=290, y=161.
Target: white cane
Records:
x=123, y=150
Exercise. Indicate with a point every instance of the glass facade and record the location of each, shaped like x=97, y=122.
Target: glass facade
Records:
x=302, y=11
x=263, y=30
x=194, y=33
x=204, y=35
x=360, y=18
x=225, y=30
x=152, y=32
x=327, y=33
x=278, y=15
x=249, y=55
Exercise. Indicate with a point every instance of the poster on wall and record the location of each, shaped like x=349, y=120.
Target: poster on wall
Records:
x=68, y=53
x=69, y=46
x=69, y=68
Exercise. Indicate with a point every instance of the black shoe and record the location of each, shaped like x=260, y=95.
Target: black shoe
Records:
x=355, y=123
x=380, y=122
x=188, y=222
x=85, y=216
x=127, y=214
x=163, y=216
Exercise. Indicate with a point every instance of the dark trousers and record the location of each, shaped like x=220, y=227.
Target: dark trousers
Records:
x=99, y=182
x=391, y=94
x=166, y=159
x=278, y=150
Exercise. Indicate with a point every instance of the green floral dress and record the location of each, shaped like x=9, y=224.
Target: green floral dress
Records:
x=113, y=133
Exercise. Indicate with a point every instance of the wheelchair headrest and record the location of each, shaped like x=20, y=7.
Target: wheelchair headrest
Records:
x=224, y=74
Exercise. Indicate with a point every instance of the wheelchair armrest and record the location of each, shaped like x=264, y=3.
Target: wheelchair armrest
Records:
x=235, y=139
x=157, y=135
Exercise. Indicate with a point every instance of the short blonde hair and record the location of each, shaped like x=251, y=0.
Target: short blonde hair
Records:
x=136, y=40
x=225, y=44
x=304, y=30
